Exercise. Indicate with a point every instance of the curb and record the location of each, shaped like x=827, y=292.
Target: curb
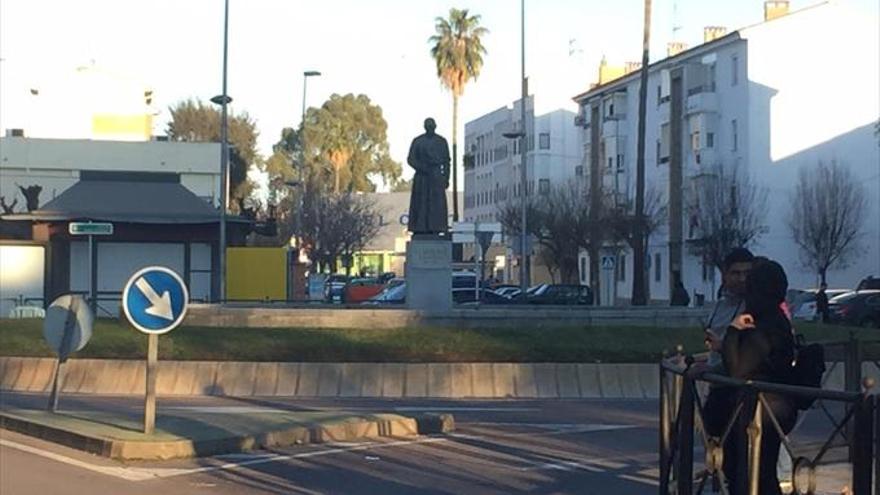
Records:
x=141, y=450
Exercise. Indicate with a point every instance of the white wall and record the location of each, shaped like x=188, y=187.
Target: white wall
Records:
x=21, y=275
x=816, y=102
x=118, y=261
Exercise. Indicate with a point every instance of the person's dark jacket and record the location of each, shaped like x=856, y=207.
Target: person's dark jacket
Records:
x=765, y=352
x=680, y=296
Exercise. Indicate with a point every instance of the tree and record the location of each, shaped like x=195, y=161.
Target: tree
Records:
x=347, y=145
x=402, y=185
x=337, y=226
x=726, y=211
x=626, y=226
x=559, y=221
x=828, y=208
x=195, y=121
x=458, y=53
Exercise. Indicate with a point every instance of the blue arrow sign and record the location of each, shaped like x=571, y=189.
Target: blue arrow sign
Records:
x=155, y=300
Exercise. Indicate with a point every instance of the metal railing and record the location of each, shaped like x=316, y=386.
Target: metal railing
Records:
x=682, y=418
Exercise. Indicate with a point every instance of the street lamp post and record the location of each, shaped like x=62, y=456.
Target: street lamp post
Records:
x=300, y=180
x=522, y=135
x=223, y=100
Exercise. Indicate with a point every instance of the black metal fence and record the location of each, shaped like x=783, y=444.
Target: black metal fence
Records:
x=854, y=429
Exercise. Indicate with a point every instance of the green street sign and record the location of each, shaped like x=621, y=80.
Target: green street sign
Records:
x=90, y=228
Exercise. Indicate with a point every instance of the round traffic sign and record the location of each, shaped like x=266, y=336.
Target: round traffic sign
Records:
x=72, y=312
x=155, y=300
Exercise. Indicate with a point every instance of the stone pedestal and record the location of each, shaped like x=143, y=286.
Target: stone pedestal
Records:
x=429, y=273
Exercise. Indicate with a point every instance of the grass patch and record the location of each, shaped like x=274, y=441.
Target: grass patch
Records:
x=112, y=339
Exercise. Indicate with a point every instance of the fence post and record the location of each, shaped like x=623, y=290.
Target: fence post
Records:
x=876, y=404
x=852, y=382
x=755, y=432
x=861, y=446
x=664, y=433
x=685, y=469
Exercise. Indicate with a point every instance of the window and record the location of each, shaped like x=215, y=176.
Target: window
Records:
x=710, y=139
x=734, y=70
x=579, y=171
x=620, y=163
x=544, y=186
x=583, y=270
x=709, y=87
x=664, y=144
x=658, y=273
x=621, y=268
x=610, y=162
x=695, y=141
x=734, y=136
x=544, y=140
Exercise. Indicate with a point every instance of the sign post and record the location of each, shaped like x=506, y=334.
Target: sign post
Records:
x=91, y=229
x=154, y=300
x=67, y=328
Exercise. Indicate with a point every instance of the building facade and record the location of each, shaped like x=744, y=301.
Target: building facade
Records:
x=492, y=167
x=767, y=100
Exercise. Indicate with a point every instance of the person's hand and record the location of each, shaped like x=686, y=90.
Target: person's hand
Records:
x=697, y=369
x=744, y=321
x=713, y=342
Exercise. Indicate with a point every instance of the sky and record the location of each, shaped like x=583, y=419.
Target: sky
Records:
x=378, y=48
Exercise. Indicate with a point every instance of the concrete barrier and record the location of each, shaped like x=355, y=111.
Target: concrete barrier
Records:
x=441, y=380
x=325, y=316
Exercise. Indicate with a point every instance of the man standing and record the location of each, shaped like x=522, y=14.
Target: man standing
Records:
x=822, y=303
x=736, y=265
x=429, y=156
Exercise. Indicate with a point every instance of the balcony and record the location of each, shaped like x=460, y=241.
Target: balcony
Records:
x=702, y=102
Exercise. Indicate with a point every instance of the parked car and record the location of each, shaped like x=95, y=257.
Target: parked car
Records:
x=463, y=279
x=803, y=307
x=361, y=289
x=334, y=287
x=487, y=296
x=395, y=294
x=559, y=294
x=861, y=308
x=869, y=283
x=508, y=291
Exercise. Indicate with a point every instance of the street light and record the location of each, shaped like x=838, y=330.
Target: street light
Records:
x=523, y=148
x=223, y=100
x=300, y=180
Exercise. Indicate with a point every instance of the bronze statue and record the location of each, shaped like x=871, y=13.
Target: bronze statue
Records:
x=429, y=156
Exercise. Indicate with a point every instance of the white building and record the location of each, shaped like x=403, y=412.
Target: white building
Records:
x=492, y=176
x=56, y=164
x=162, y=198
x=768, y=99
x=492, y=168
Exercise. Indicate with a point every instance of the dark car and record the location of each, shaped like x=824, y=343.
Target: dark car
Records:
x=860, y=308
x=487, y=296
x=559, y=294
x=869, y=283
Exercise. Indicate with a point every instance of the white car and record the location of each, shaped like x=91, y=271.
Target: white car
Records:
x=804, y=307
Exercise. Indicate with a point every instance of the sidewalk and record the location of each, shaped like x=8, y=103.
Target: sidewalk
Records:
x=203, y=431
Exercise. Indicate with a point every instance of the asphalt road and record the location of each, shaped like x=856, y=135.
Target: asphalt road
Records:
x=499, y=447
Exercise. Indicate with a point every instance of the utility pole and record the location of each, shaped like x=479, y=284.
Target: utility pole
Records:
x=523, y=149
x=639, y=296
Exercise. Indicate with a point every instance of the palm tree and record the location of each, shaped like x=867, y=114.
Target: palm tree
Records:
x=458, y=51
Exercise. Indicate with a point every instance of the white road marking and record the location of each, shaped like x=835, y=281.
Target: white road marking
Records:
x=143, y=474
x=581, y=427
x=639, y=479
x=467, y=409
x=226, y=409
